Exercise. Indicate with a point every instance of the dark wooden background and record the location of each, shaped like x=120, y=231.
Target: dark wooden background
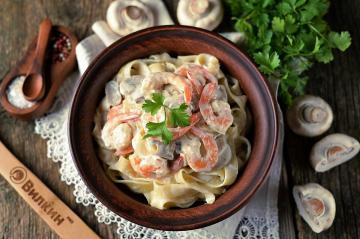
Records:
x=338, y=83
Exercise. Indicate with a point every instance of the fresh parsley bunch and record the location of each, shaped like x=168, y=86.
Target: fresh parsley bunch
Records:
x=286, y=37
x=178, y=117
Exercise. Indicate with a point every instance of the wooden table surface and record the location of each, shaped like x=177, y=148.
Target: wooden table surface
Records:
x=338, y=83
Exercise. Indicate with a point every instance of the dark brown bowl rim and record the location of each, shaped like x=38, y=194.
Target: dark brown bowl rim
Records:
x=263, y=169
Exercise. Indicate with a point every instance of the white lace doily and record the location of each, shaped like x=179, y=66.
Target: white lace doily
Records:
x=259, y=219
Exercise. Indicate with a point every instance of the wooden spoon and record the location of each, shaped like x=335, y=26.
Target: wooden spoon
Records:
x=34, y=84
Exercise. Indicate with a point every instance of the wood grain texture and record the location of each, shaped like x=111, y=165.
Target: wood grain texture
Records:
x=338, y=83
x=18, y=25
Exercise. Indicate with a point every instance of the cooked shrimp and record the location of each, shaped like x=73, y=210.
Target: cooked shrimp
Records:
x=150, y=167
x=205, y=163
x=217, y=114
x=197, y=75
x=117, y=133
x=118, y=110
x=125, y=151
x=117, y=137
x=157, y=81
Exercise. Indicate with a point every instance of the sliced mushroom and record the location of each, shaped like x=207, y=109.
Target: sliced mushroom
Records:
x=332, y=151
x=309, y=116
x=112, y=92
x=127, y=16
x=316, y=205
x=205, y=14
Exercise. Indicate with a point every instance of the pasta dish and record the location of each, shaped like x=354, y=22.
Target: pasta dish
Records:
x=173, y=129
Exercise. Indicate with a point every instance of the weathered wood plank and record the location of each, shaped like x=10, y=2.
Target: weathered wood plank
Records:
x=18, y=24
x=286, y=210
x=339, y=84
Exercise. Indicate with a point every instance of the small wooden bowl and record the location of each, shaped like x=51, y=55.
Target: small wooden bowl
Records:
x=55, y=74
x=176, y=40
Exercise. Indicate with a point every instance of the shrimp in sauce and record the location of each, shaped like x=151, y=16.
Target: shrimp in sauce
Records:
x=216, y=113
x=157, y=81
x=198, y=162
x=197, y=75
x=150, y=166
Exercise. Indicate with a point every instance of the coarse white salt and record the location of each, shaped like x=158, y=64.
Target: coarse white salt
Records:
x=15, y=94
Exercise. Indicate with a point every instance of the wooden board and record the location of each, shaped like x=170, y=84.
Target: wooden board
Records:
x=338, y=83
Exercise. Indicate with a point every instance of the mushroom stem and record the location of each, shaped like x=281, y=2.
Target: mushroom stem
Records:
x=314, y=114
x=198, y=7
x=315, y=206
x=132, y=14
x=309, y=116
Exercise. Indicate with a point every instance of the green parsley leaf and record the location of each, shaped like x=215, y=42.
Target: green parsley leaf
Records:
x=278, y=24
x=151, y=107
x=179, y=117
x=268, y=63
x=324, y=55
x=341, y=41
x=243, y=26
x=158, y=98
x=265, y=3
x=284, y=8
x=160, y=130
x=154, y=105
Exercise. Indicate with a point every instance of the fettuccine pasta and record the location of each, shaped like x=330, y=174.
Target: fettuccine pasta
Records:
x=202, y=158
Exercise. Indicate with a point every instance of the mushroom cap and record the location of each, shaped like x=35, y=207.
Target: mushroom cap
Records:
x=127, y=16
x=332, y=151
x=309, y=116
x=316, y=205
x=206, y=14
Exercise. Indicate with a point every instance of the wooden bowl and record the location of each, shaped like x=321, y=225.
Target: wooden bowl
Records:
x=176, y=40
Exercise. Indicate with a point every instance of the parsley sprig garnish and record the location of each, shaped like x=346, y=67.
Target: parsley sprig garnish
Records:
x=178, y=117
x=285, y=37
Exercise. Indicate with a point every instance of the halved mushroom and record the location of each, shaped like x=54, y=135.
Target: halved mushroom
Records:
x=205, y=14
x=332, y=151
x=127, y=16
x=309, y=116
x=316, y=205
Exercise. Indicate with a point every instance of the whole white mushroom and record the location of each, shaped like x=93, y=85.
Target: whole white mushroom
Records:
x=127, y=16
x=316, y=205
x=332, y=151
x=309, y=116
x=206, y=14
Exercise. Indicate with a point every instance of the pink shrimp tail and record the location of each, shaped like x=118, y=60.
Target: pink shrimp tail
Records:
x=122, y=152
x=208, y=94
x=181, y=131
